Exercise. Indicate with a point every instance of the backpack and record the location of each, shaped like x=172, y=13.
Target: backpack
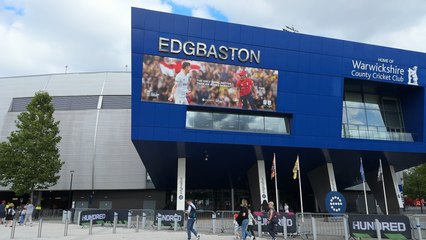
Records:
x=192, y=213
x=11, y=212
x=275, y=218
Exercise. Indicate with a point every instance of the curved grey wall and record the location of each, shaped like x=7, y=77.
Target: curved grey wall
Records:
x=95, y=142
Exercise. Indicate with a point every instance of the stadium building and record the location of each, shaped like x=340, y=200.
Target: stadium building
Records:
x=207, y=106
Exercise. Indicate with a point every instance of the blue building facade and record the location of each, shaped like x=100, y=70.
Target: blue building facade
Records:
x=331, y=102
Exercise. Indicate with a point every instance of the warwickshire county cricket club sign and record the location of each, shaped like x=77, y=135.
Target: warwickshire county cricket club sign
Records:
x=384, y=70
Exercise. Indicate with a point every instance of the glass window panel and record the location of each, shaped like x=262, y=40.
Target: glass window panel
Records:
x=252, y=123
x=371, y=101
x=344, y=118
x=190, y=119
x=393, y=120
x=224, y=121
x=374, y=118
x=353, y=100
x=275, y=125
x=390, y=105
x=356, y=116
x=202, y=120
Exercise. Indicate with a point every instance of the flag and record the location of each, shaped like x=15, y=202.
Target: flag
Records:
x=167, y=69
x=361, y=170
x=380, y=172
x=273, y=169
x=296, y=168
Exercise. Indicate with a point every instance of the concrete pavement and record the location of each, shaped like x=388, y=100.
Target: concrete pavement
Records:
x=55, y=230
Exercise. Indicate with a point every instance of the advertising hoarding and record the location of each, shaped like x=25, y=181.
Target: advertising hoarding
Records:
x=179, y=81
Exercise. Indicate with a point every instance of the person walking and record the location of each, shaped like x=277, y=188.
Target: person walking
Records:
x=2, y=211
x=29, y=209
x=10, y=214
x=271, y=223
x=192, y=216
x=252, y=221
x=245, y=220
x=21, y=215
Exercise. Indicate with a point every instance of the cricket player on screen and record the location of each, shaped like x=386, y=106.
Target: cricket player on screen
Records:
x=180, y=88
x=246, y=89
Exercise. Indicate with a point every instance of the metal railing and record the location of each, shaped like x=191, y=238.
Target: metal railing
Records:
x=375, y=133
x=146, y=218
x=326, y=224
x=418, y=225
x=309, y=225
x=225, y=221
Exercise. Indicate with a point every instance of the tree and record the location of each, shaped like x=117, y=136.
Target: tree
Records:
x=29, y=158
x=415, y=182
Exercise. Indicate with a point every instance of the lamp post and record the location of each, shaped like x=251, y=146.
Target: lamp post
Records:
x=70, y=193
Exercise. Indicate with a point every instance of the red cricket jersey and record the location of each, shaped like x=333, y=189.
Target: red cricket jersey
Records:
x=245, y=86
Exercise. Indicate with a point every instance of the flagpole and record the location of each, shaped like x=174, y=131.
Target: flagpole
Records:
x=384, y=189
x=276, y=184
x=300, y=188
x=363, y=185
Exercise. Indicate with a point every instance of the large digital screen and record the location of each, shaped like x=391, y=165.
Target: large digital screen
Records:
x=179, y=81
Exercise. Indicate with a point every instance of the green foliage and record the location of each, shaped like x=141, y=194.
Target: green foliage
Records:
x=415, y=182
x=30, y=159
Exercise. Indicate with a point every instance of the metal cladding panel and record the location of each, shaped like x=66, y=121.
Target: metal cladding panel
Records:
x=13, y=87
x=77, y=129
x=76, y=84
x=117, y=83
x=117, y=164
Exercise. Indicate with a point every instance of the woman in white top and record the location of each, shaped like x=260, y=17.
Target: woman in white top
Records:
x=252, y=221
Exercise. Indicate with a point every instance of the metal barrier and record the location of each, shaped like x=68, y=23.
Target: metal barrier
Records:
x=418, y=225
x=225, y=221
x=325, y=224
x=146, y=218
x=204, y=221
x=51, y=214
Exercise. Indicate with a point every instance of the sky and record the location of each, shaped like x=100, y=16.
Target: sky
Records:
x=54, y=36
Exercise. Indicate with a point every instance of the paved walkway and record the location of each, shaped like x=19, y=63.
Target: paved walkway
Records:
x=55, y=230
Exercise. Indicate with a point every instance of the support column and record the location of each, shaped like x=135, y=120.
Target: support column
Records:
x=392, y=192
x=181, y=184
x=257, y=183
x=322, y=181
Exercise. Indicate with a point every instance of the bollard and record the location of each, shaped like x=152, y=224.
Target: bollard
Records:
x=346, y=227
x=66, y=227
x=143, y=220
x=137, y=223
x=314, y=228
x=214, y=222
x=378, y=228
x=129, y=219
x=40, y=226
x=419, y=229
x=175, y=222
x=285, y=227
x=159, y=222
x=259, y=226
x=114, y=227
x=12, y=232
x=90, y=226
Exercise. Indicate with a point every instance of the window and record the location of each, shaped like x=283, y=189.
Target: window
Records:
x=237, y=122
x=372, y=116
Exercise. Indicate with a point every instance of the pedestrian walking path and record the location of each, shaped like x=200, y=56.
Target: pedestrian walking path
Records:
x=55, y=230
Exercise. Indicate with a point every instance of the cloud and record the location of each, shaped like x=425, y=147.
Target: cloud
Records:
x=84, y=35
x=44, y=36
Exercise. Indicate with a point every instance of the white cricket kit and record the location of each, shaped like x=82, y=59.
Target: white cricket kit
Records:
x=182, y=82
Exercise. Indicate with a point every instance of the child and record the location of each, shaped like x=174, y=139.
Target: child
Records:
x=21, y=215
x=237, y=227
x=252, y=220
